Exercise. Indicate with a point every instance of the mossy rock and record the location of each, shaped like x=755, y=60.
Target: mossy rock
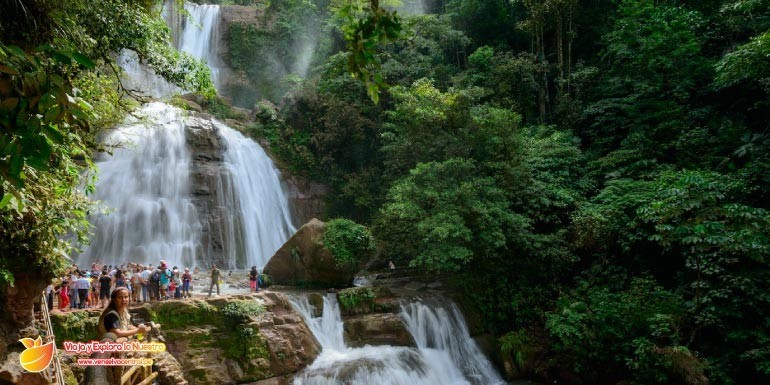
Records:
x=357, y=300
x=179, y=314
x=241, y=311
x=80, y=326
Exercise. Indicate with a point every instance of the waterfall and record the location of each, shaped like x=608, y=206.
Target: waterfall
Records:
x=430, y=363
x=146, y=183
x=262, y=214
x=327, y=328
x=441, y=326
x=197, y=33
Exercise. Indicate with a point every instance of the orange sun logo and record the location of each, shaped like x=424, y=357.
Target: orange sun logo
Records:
x=37, y=356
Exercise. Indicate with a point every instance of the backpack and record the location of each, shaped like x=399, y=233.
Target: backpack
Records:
x=155, y=277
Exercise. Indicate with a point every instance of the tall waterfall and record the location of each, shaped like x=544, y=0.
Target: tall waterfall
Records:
x=147, y=183
x=430, y=363
x=262, y=214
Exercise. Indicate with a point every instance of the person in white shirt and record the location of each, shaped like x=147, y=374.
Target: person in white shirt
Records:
x=145, y=275
x=83, y=285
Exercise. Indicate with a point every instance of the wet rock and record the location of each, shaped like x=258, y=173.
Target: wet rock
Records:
x=376, y=329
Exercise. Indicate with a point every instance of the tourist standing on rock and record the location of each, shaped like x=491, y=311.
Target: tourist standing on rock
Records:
x=165, y=279
x=64, y=297
x=146, y=283
x=253, y=276
x=186, y=280
x=73, y=294
x=82, y=285
x=105, y=284
x=215, y=276
x=120, y=279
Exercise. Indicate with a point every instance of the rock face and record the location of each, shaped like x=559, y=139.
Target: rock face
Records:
x=208, y=188
x=16, y=321
x=304, y=261
x=376, y=329
x=307, y=198
x=255, y=338
x=211, y=349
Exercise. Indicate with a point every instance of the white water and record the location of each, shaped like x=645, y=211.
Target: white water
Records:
x=141, y=79
x=428, y=364
x=146, y=183
x=198, y=35
x=259, y=205
x=441, y=326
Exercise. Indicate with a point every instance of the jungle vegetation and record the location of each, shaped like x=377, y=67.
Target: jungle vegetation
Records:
x=594, y=176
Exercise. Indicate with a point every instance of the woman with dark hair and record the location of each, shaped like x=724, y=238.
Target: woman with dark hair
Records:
x=120, y=279
x=115, y=318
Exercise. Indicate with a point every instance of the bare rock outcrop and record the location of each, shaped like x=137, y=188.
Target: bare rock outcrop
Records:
x=376, y=329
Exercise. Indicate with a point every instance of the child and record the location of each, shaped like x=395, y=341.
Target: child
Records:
x=64, y=298
x=172, y=288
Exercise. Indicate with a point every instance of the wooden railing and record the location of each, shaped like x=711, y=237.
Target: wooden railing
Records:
x=138, y=375
x=53, y=374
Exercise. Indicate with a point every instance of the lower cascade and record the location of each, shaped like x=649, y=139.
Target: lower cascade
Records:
x=445, y=352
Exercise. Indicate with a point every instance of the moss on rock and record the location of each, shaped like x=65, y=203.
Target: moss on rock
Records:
x=178, y=314
x=74, y=326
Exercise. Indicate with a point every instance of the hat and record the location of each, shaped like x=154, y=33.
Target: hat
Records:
x=186, y=269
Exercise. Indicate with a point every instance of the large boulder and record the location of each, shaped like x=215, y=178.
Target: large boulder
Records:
x=376, y=329
x=304, y=261
x=216, y=343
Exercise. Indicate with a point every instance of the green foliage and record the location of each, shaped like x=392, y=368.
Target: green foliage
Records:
x=427, y=48
x=604, y=332
x=349, y=242
x=364, y=29
x=425, y=125
x=45, y=134
x=36, y=112
x=748, y=63
x=357, y=299
x=239, y=312
x=245, y=343
x=77, y=326
x=174, y=315
x=445, y=213
x=517, y=344
x=649, y=83
x=287, y=49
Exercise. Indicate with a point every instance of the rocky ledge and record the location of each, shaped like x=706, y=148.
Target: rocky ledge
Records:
x=257, y=338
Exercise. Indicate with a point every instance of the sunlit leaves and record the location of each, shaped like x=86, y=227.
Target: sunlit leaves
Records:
x=748, y=63
x=445, y=214
x=364, y=29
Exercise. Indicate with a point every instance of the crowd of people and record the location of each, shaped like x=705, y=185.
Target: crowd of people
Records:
x=92, y=288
